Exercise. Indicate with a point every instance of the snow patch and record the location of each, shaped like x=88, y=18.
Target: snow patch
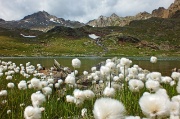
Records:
x=93, y=36
x=27, y=36
x=53, y=20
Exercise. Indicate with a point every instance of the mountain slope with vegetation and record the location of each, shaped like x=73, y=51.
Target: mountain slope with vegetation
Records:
x=140, y=37
x=154, y=36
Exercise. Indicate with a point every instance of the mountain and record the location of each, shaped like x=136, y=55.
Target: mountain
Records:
x=41, y=21
x=2, y=20
x=115, y=20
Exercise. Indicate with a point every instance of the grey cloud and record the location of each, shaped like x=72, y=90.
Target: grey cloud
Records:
x=81, y=10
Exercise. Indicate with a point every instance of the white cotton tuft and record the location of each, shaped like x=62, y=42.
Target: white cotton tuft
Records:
x=76, y=63
x=88, y=94
x=37, y=99
x=105, y=71
x=153, y=59
x=70, y=99
x=107, y=108
x=152, y=85
x=32, y=113
x=3, y=93
x=175, y=75
x=36, y=83
x=135, y=85
x=109, y=92
x=70, y=79
x=154, y=105
x=154, y=76
x=47, y=91
x=22, y=85
x=10, y=85
x=132, y=117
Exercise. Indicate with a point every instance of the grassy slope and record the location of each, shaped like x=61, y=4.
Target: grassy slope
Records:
x=163, y=33
x=55, y=47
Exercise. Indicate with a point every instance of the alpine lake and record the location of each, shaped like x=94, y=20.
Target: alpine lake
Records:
x=163, y=65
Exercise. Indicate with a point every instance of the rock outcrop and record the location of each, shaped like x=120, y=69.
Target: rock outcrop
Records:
x=115, y=20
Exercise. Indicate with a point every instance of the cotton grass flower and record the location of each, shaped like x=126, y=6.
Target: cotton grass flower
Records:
x=36, y=83
x=85, y=73
x=88, y=94
x=8, y=111
x=70, y=98
x=105, y=71
x=22, y=85
x=176, y=98
x=3, y=93
x=111, y=65
x=116, y=78
x=107, y=108
x=109, y=92
x=76, y=63
x=153, y=59
x=166, y=79
x=178, y=87
x=125, y=62
x=174, y=117
x=132, y=117
x=84, y=112
x=175, y=75
x=32, y=113
x=8, y=77
x=47, y=91
x=174, y=108
x=78, y=94
x=10, y=85
x=142, y=76
x=135, y=85
x=93, y=69
x=154, y=76
x=152, y=85
x=50, y=80
x=154, y=105
x=37, y=99
x=70, y=79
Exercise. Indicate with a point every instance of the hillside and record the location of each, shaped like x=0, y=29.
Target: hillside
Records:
x=42, y=34
x=115, y=20
x=154, y=36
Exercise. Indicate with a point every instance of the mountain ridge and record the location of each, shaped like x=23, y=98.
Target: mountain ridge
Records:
x=41, y=21
x=161, y=12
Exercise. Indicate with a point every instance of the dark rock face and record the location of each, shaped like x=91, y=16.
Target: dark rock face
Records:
x=128, y=39
x=158, y=12
x=176, y=14
x=41, y=21
x=2, y=20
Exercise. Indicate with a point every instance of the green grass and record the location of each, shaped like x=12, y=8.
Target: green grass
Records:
x=56, y=105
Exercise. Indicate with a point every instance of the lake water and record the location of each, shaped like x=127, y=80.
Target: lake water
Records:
x=164, y=65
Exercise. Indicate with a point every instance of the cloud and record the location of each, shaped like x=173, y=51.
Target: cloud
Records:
x=81, y=10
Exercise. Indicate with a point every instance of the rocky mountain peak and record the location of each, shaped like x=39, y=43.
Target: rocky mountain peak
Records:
x=173, y=8
x=114, y=16
x=41, y=21
x=2, y=20
x=158, y=12
x=41, y=15
x=115, y=20
x=143, y=15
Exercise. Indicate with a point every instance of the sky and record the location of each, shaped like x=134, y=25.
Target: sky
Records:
x=78, y=10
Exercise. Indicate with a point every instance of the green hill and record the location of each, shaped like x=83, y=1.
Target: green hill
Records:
x=154, y=36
